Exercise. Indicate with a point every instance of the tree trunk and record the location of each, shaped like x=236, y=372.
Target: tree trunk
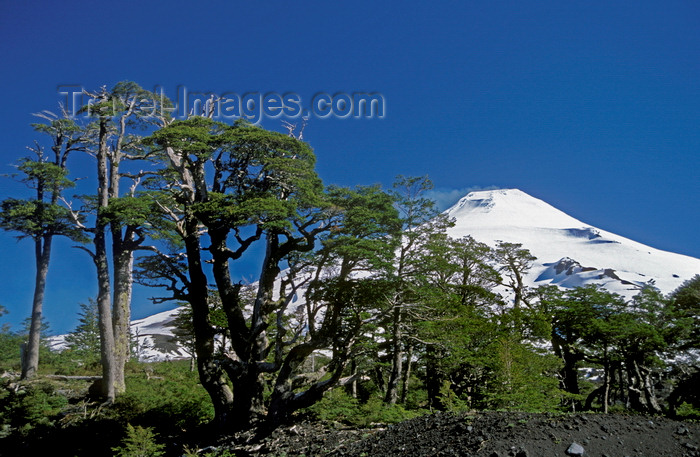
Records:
x=596, y=393
x=123, y=262
x=248, y=389
x=641, y=390
x=104, y=304
x=433, y=379
x=104, y=310
x=392, y=390
x=210, y=372
x=353, y=385
x=407, y=374
x=284, y=399
x=569, y=372
x=606, y=380
x=42, y=257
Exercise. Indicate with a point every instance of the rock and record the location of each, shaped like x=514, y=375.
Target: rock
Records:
x=575, y=449
x=681, y=431
x=518, y=452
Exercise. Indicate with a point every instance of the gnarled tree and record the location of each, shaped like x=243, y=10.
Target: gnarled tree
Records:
x=224, y=188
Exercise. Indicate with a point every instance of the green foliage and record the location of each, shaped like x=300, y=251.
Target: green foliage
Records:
x=165, y=393
x=450, y=400
x=44, y=175
x=685, y=302
x=9, y=346
x=30, y=406
x=688, y=411
x=524, y=378
x=84, y=341
x=139, y=442
x=338, y=405
x=40, y=216
x=35, y=219
x=365, y=231
x=130, y=210
x=170, y=403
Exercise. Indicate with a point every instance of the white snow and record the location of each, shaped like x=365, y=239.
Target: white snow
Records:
x=513, y=216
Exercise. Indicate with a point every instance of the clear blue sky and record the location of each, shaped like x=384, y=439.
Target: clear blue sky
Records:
x=591, y=106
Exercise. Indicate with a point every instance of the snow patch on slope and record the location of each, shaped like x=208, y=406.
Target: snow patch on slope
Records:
x=155, y=339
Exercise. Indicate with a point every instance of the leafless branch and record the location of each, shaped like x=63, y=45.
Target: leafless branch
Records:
x=90, y=253
x=75, y=215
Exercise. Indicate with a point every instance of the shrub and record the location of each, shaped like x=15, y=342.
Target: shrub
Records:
x=34, y=405
x=337, y=405
x=9, y=350
x=139, y=442
x=688, y=411
x=167, y=394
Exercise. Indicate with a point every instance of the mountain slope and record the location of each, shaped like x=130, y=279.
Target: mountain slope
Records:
x=569, y=252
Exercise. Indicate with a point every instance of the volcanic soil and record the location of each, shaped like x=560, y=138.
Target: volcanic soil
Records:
x=490, y=434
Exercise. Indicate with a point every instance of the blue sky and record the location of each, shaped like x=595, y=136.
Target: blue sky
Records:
x=592, y=106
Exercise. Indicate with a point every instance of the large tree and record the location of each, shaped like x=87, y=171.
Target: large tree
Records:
x=223, y=189
x=420, y=223
x=456, y=329
x=42, y=217
x=582, y=325
x=119, y=115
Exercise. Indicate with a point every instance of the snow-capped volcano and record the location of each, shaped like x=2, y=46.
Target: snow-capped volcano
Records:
x=569, y=252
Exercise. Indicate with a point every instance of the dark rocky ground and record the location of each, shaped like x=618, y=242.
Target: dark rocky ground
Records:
x=492, y=434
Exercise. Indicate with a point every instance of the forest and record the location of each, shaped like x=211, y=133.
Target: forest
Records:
x=363, y=310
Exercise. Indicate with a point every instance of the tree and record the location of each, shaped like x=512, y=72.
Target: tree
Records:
x=582, y=328
x=639, y=336
x=685, y=301
x=457, y=327
x=133, y=109
x=514, y=263
x=684, y=304
x=342, y=295
x=139, y=442
x=85, y=339
x=420, y=221
x=9, y=343
x=594, y=326
x=231, y=187
x=117, y=113
x=42, y=218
